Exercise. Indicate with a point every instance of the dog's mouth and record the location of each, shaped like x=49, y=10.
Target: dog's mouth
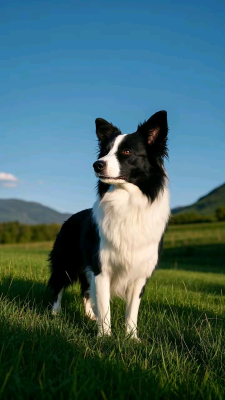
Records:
x=111, y=178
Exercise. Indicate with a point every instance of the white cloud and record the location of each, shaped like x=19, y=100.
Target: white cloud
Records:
x=8, y=180
x=4, y=176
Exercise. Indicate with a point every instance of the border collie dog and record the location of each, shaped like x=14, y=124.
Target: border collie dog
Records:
x=113, y=248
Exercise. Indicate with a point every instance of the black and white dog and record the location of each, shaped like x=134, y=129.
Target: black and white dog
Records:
x=113, y=248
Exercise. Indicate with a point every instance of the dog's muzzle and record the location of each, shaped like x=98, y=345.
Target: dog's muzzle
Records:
x=99, y=166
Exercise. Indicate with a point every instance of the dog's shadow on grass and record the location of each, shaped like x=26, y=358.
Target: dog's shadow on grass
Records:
x=194, y=257
x=79, y=365
x=53, y=367
x=25, y=290
x=82, y=365
x=35, y=295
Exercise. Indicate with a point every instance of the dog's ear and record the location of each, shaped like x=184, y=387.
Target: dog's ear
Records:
x=155, y=130
x=105, y=129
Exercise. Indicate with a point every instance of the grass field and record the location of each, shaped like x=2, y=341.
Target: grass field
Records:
x=181, y=324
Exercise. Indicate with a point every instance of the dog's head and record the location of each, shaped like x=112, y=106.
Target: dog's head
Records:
x=136, y=158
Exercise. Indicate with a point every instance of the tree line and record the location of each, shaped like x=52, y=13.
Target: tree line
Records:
x=194, y=218
x=14, y=232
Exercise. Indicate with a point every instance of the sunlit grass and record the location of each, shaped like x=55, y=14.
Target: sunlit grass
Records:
x=181, y=324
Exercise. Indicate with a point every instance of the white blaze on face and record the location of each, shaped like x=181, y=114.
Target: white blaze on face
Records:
x=112, y=164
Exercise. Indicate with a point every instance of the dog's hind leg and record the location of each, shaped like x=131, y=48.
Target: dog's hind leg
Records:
x=88, y=307
x=57, y=283
x=85, y=281
x=57, y=303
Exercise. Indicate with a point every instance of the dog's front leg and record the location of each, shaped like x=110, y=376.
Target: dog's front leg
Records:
x=133, y=299
x=102, y=295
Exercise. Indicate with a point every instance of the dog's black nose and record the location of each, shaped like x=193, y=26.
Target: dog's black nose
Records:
x=99, y=165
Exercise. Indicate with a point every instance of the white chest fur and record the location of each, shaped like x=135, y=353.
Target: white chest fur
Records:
x=130, y=229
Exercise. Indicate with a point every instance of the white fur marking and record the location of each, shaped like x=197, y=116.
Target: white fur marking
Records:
x=88, y=309
x=133, y=300
x=100, y=297
x=130, y=229
x=112, y=164
x=57, y=304
x=89, y=274
x=87, y=301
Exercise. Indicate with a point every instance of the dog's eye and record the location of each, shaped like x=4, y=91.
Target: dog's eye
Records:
x=126, y=152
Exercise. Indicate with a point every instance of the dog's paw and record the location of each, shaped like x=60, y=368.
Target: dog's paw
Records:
x=137, y=339
x=55, y=311
x=91, y=316
x=133, y=337
x=102, y=334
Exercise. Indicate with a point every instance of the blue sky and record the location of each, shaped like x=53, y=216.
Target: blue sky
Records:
x=63, y=64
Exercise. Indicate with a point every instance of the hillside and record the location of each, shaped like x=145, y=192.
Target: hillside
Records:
x=207, y=204
x=27, y=212
x=32, y=213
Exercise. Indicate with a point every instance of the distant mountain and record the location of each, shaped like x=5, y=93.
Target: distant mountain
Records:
x=28, y=212
x=206, y=205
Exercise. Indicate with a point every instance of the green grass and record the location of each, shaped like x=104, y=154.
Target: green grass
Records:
x=181, y=324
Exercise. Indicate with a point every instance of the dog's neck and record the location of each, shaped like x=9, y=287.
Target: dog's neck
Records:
x=125, y=211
